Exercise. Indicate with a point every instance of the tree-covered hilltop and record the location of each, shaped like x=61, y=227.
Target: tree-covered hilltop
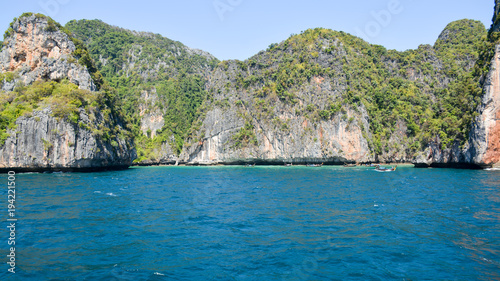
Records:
x=137, y=62
x=121, y=52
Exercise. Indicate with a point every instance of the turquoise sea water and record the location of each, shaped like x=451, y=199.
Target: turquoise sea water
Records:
x=260, y=223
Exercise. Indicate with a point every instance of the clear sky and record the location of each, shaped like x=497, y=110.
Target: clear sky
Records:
x=238, y=29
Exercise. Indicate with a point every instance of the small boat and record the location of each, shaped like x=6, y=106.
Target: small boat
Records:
x=350, y=165
x=384, y=169
x=288, y=165
x=315, y=165
x=251, y=165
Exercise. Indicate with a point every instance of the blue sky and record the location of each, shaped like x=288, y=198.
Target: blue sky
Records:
x=238, y=29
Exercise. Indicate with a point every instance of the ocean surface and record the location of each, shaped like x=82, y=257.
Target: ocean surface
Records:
x=255, y=223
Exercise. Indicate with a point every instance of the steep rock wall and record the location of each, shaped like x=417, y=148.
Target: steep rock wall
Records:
x=151, y=116
x=43, y=143
x=485, y=136
x=37, y=49
x=295, y=140
x=37, y=52
x=454, y=157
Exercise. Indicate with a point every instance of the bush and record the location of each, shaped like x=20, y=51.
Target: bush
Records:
x=246, y=136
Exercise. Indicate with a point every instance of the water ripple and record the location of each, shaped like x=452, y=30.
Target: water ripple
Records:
x=264, y=223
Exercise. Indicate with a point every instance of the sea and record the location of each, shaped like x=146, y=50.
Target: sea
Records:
x=253, y=223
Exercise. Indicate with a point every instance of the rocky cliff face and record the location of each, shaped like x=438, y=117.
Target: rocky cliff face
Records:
x=485, y=136
x=435, y=156
x=150, y=113
x=483, y=147
x=242, y=129
x=293, y=139
x=43, y=143
x=37, y=50
x=261, y=113
x=152, y=121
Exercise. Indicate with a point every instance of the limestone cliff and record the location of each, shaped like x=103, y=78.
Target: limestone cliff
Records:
x=485, y=137
x=327, y=97
x=319, y=96
x=152, y=121
x=43, y=143
x=483, y=147
x=298, y=141
x=242, y=129
x=56, y=126
x=150, y=113
x=37, y=50
x=488, y=123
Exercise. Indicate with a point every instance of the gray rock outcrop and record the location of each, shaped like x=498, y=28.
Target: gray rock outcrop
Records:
x=151, y=115
x=295, y=140
x=43, y=143
x=38, y=51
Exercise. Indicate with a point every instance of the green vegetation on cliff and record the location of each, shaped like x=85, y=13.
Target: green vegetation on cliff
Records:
x=81, y=53
x=65, y=100
x=432, y=90
x=179, y=100
x=409, y=98
x=133, y=62
x=119, y=52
